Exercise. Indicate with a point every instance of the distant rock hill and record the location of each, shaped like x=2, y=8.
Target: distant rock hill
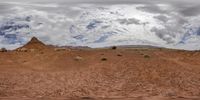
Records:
x=34, y=43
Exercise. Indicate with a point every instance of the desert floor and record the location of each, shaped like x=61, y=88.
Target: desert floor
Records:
x=40, y=72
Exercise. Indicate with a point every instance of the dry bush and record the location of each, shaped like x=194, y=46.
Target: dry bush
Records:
x=114, y=47
x=104, y=59
x=146, y=56
x=3, y=50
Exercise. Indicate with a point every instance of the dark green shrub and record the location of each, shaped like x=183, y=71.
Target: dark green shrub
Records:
x=104, y=59
x=3, y=50
x=119, y=55
x=114, y=47
x=146, y=56
x=87, y=98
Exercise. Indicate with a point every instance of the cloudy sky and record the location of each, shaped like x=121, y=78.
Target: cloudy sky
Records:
x=99, y=23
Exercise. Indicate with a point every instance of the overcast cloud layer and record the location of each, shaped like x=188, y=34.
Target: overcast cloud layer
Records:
x=99, y=23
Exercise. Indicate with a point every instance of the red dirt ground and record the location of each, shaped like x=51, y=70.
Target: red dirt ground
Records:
x=47, y=73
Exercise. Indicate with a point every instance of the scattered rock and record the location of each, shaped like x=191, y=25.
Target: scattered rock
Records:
x=78, y=58
x=32, y=50
x=170, y=93
x=60, y=49
x=23, y=50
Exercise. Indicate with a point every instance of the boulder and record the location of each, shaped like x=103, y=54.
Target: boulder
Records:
x=23, y=50
x=78, y=58
x=32, y=50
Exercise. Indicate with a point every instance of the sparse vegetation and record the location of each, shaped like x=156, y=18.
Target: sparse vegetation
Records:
x=32, y=50
x=60, y=49
x=104, y=59
x=3, y=50
x=114, y=47
x=41, y=52
x=141, y=53
x=23, y=50
x=119, y=55
x=146, y=56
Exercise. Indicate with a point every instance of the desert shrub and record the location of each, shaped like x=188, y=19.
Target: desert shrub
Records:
x=119, y=55
x=146, y=56
x=114, y=47
x=142, y=54
x=104, y=59
x=59, y=49
x=41, y=52
x=87, y=98
x=3, y=50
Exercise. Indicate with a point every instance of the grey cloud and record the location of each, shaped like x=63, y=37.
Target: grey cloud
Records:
x=152, y=9
x=4, y=8
x=162, y=34
x=162, y=18
x=181, y=21
x=180, y=2
x=190, y=11
x=129, y=21
x=180, y=5
x=177, y=11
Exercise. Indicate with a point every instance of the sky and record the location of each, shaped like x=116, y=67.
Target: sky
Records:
x=100, y=23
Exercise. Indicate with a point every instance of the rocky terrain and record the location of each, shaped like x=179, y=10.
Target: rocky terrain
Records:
x=40, y=72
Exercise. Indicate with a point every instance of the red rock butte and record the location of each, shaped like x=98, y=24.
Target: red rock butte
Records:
x=34, y=43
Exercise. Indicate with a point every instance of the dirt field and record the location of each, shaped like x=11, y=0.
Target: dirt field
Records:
x=44, y=72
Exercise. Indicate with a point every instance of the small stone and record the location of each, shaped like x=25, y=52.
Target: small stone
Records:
x=32, y=50
x=23, y=50
x=78, y=58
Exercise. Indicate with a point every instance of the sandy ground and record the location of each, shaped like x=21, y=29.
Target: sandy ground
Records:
x=43, y=72
x=138, y=98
